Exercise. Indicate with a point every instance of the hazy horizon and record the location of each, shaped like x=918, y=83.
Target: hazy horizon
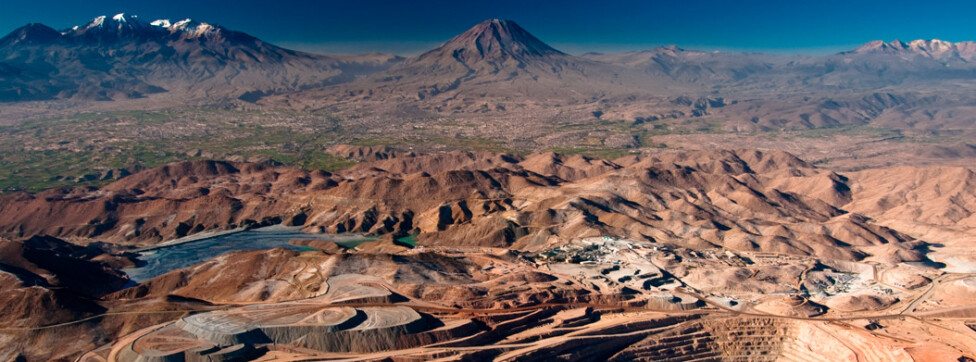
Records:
x=575, y=27
x=408, y=49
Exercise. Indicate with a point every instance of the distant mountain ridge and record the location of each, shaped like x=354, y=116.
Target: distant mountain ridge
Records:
x=120, y=28
x=125, y=57
x=931, y=48
x=498, y=73
x=493, y=68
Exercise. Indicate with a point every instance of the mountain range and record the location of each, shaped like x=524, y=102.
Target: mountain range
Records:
x=498, y=72
x=496, y=69
x=124, y=57
x=934, y=48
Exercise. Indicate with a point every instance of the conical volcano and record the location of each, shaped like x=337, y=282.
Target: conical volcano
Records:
x=495, y=66
x=492, y=46
x=494, y=40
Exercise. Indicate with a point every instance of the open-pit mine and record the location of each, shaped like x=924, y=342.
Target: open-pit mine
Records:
x=732, y=255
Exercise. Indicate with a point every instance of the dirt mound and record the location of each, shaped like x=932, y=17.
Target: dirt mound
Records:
x=569, y=168
x=279, y=275
x=858, y=303
x=366, y=153
x=434, y=163
x=176, y=174
x=958, y=292
x=50, y=262
x=790, y=306
x=229, y=278
x=32, y=305
x=328, y=247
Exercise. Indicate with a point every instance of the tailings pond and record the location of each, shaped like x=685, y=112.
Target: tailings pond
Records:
x=188, y=252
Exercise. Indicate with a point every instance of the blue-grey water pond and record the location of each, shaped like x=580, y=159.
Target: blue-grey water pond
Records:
x=182, y=254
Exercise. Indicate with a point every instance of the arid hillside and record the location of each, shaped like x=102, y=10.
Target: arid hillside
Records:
x=496, y=249
x=738, y=200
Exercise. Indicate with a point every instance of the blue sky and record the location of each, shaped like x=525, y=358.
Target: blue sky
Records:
x=408, y=27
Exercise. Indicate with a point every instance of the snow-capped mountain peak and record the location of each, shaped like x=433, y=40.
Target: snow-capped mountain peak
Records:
x=188, y=27
x=163, y=23
x=932, y=46
x=117, y=25
x=112, y=28
x=929, y=48
x=192, y=26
